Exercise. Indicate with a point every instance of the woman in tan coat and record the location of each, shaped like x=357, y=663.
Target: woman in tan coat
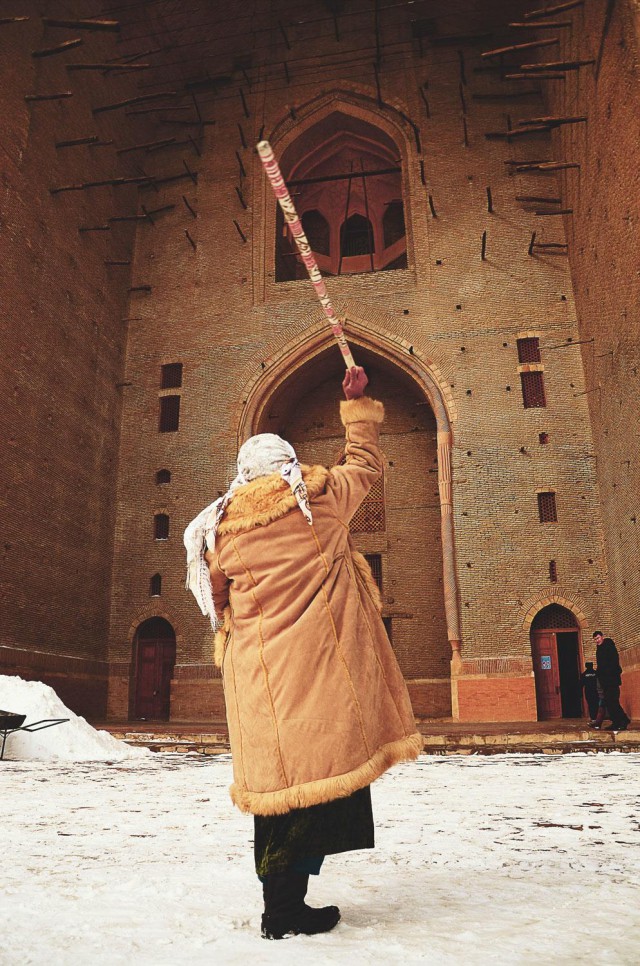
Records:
x=316, y=703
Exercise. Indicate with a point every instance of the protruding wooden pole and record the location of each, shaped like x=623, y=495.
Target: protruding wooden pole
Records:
x=546, y=11
x=60, y=49
x=514, y=48
x=133, y=100
x=112, y=26
x=61, y=96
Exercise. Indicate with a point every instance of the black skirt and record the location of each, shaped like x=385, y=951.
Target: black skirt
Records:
x=343, y=825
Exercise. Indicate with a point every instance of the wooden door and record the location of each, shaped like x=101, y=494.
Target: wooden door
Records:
x=154, y=671
x=547, y=675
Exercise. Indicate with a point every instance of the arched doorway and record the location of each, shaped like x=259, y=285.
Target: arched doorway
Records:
x=155, y=657
x=557, y=663
x=402, y=539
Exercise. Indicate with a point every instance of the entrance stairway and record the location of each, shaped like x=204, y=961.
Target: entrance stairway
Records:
x=441, y=737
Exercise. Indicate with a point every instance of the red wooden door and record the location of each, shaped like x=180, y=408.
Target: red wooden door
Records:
x=547, y=674
x=153, y=679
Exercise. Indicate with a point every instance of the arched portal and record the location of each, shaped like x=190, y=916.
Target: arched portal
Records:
x=154, y=659
x=557, y=662
x=407, y=545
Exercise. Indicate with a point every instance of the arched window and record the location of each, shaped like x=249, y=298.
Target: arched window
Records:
x=393, y=227
x=356, y=237
x=161, y=526
x=345, y=178
x=316, y=228
x=163, y=476
x=155, y=586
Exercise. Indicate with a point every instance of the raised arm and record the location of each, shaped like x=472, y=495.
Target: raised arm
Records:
x=361, y=417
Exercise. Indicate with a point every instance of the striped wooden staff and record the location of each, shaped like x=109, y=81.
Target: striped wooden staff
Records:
x=274, y=174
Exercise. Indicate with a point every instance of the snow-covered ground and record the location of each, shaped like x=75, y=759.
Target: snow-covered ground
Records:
x=113, y=855
x=479, y=860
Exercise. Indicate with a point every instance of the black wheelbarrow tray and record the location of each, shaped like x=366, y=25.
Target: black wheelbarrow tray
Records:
x=10, y=722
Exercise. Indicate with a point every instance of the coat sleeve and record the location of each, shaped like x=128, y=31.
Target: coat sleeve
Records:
x=219, y=583
x=351, y=482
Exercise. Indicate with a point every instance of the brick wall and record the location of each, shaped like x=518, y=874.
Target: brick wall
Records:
x=604, y=251
x=218, y=310
x=63, y=345
x=79, y=551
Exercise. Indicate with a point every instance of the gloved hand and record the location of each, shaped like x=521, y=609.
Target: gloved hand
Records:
x=354, y=382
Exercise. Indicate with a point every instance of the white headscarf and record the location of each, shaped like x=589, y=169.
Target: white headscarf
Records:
x=261, y=455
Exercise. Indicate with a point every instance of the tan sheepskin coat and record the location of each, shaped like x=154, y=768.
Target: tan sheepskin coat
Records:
x=316, y=703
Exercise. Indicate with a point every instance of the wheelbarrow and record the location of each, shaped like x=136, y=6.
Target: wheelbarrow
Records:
x=10, y=723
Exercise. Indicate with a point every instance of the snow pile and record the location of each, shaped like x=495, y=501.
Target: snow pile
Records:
x=75, y=740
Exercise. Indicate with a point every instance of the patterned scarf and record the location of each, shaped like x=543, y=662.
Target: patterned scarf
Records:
x=261, y=455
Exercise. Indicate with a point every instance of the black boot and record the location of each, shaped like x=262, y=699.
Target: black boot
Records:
x=285, y=911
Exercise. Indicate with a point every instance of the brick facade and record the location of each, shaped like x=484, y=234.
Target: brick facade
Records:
x=439, y=338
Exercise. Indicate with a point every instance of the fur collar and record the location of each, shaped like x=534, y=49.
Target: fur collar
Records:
x=268, y=498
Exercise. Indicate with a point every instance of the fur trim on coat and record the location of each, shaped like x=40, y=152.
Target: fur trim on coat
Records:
x=361, y=410
x=317, y=705
x=328, y=789
x=267, y=499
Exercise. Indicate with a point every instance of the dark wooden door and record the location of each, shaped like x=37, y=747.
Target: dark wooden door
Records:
x=153, y=679
x=569, y=670
x=547, y=675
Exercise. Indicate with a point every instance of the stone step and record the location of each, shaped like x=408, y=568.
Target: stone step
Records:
x=507, y=741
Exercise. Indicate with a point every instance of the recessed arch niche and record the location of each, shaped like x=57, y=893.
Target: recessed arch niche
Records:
x=314, y=164
x=302, y=406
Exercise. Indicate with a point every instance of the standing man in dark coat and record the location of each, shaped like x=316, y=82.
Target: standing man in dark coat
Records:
x=610, y=677
x=589, y=684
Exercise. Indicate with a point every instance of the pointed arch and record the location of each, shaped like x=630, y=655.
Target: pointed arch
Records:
x=396, y=131
x=556, y=595
x=381, y=342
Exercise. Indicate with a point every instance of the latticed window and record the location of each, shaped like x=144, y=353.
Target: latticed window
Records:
x=554, y=616
x=553, y=572
x=375, y=562
x=369, y=517
x=533, y=395
x=171, y=377
x=528, y=350
x=356, y=236
x=316, y=228
x=161, y=526
x=393, y=227
x=155, y=586
x=547, y=509
x=163, y=476
x=169, y=414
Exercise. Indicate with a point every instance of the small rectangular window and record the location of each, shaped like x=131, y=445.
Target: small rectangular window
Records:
x=155, y=586
x=161, y=526
x=547, y=510
x=375, y=562
x=553, y=572
x=171, y=377
x=533, y=395
x=528, y=350
x=169, y=414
